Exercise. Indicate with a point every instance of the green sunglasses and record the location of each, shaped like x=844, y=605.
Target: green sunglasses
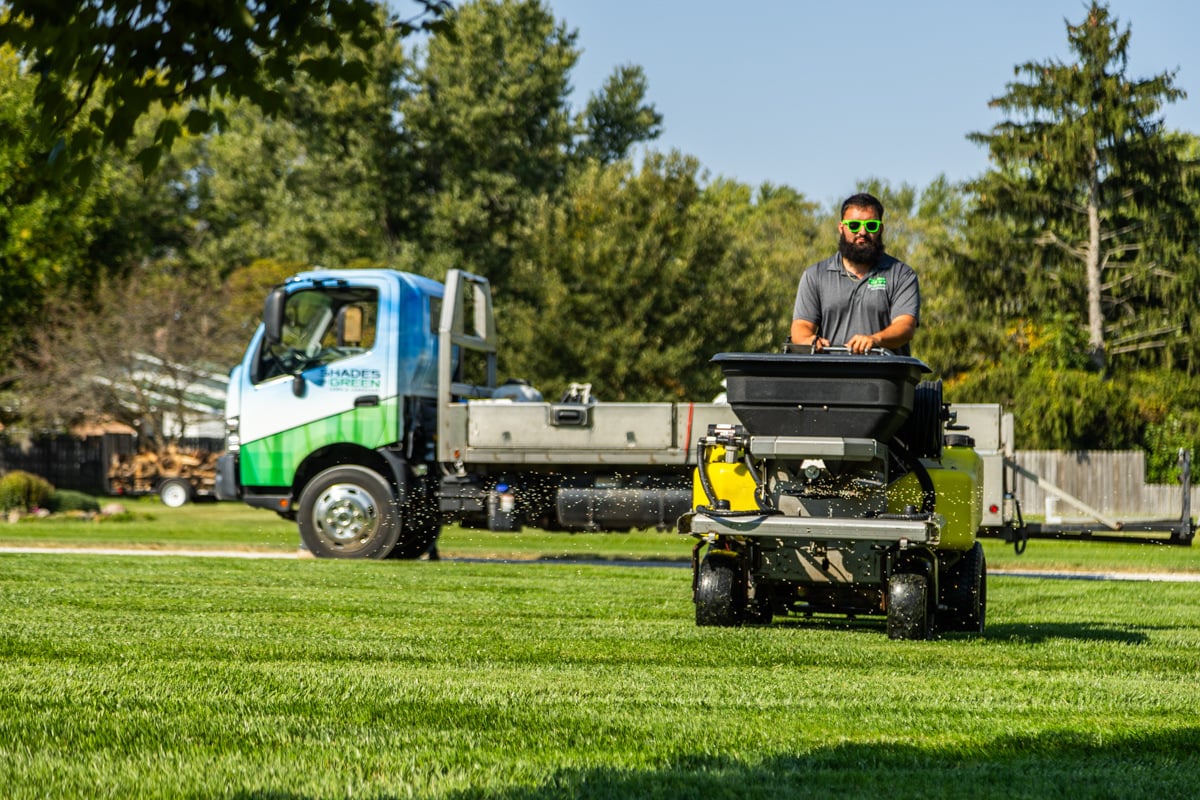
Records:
x=855, y=225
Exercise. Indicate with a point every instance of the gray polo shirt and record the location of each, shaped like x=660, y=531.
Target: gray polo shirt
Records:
x=842, y=306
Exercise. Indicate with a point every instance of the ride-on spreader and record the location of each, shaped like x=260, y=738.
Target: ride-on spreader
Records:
x=843, y=491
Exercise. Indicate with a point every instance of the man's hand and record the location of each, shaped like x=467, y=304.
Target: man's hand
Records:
x=862, y=343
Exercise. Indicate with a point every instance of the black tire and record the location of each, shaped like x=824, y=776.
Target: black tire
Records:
x=908, y=606
x=964, y=593
x=922, y=431
x=720, y=593
x=175, y=492
x=349, y=512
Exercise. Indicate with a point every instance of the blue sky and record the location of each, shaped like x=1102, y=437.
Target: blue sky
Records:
x=819, y=95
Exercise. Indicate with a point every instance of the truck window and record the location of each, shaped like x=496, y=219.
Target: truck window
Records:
x=321, y=326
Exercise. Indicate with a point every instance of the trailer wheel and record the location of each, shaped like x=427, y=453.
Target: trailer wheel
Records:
x=720, y=595
x=175, y=492
x=908, y=606
x=348, y=512
x=964, y=590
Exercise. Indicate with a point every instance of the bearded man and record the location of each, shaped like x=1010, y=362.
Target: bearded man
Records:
x=860, y=297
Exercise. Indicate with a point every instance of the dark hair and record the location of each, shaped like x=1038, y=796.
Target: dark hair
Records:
x=862, y=200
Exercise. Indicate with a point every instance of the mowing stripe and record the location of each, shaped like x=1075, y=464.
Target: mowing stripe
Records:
x=1162, y=577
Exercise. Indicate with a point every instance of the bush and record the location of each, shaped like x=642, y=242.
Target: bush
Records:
x=23, y=491
x=69, y=500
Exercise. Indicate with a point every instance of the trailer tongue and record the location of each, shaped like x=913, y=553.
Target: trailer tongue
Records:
x=839, y=493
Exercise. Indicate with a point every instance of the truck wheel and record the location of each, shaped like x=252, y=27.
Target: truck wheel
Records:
x=175, y=492
x=964, y=592
x=908, y=606
x=719, y=592
x=348, y=512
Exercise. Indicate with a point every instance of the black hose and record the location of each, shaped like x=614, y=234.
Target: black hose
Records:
x=711, y=495
x=760, y=488
x=929, y=493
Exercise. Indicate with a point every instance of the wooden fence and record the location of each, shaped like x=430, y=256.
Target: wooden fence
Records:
x=1110, y=481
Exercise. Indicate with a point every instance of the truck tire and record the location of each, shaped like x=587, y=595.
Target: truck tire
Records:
x=964, y=593
x=720, y=595
x=175, y=492
x=908, y=606
x=348, y=512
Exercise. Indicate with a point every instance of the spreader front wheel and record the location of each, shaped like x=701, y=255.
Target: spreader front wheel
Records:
x=720, y=591
x=908, y=607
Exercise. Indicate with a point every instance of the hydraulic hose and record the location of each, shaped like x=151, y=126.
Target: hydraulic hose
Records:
x=928, y=492
x=710, y=494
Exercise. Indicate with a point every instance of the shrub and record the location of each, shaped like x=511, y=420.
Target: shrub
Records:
x=23, y=491
x=69, y=500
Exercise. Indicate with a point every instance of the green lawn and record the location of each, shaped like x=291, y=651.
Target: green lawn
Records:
x=206, y=677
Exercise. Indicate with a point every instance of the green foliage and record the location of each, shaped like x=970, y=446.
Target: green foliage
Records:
x=62, y=500
x=633, y=280
x=1086, y=208
x=50, y=240
x=490, y=119
x=1058, y=402
x=617, y=117
x=113, y=61
x=23, y=491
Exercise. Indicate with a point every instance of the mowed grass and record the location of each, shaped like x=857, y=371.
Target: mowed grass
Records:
x=126, y=676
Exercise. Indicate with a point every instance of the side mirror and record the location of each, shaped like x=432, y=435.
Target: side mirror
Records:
x=273, y=315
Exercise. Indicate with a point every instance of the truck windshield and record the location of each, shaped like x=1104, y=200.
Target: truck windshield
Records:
x=321, y=326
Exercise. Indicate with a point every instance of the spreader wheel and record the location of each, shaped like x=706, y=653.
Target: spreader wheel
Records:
x=908, y=607
x=720, y=592
x=964, y=593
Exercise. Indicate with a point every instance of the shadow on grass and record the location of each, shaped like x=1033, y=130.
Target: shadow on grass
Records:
x=1032, y=633
x=1055, y=764
x=1037, y=633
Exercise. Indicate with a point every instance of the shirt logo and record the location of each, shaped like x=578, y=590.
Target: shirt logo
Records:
x=878, y=283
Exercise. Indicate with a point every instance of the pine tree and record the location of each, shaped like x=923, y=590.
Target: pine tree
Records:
x=1085, y=203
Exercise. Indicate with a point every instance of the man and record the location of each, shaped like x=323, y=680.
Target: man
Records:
x=860, y=297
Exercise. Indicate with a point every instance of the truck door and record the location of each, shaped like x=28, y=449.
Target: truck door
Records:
x=326, y=381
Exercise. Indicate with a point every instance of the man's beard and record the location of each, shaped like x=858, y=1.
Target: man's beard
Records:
x=866, y=253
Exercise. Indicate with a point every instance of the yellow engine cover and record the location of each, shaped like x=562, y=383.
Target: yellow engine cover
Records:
x=958, y=484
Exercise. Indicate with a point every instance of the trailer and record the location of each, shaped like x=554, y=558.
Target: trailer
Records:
x=178, y=475
x=991, y=428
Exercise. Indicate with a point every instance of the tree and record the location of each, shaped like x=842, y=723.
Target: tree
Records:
x=326, y=181
x=617, y=117
x=1085, y=188
x=104, y=64
x=489, y=124
x=134, y=352
x=50, y=241
x=632, y=279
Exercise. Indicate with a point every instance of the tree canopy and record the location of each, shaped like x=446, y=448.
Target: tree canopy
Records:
x=102, y=65
x=1087, y=197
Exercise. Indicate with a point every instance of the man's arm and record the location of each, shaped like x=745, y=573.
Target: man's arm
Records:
x=805, y=332
x=899, y=333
